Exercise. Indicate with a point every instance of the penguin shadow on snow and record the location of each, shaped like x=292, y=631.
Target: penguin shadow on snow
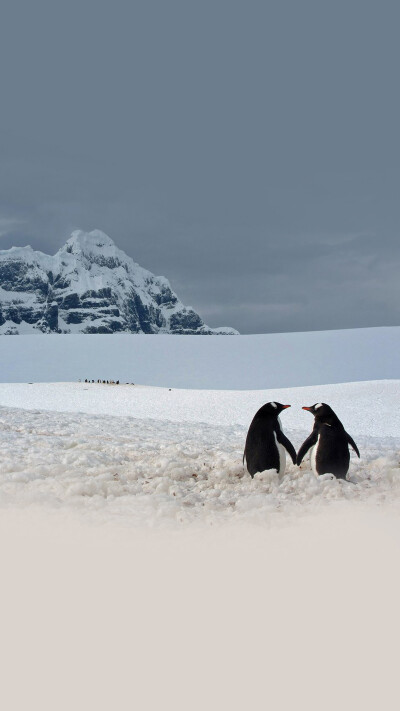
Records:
x=328, y=443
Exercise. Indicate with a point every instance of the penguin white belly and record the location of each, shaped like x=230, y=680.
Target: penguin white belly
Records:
x=313, y=457
x=282, y=456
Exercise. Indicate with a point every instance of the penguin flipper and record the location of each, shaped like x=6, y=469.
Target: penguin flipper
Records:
x=285, y=442
x=353, y=444
x=307, y=444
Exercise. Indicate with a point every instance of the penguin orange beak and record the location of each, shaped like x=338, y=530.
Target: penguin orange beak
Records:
x=285, y=406
x=307, y=408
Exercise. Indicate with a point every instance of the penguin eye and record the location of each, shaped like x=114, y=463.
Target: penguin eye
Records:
x=274, y=404
x=319, y=404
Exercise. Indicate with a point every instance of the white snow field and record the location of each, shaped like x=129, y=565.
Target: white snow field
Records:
x=211, y=362
x=142, y=568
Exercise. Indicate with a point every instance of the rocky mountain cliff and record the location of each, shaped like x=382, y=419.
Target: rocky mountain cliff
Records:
x=89, y=286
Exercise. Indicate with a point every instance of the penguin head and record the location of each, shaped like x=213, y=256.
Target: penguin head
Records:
x=273, y=409
x=322, y=412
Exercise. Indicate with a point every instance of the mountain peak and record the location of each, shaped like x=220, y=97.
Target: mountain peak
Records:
x=81, y=241
x=89, y=286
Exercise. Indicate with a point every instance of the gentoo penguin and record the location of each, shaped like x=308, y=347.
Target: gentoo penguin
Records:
x=266, y=443
x=329, y=443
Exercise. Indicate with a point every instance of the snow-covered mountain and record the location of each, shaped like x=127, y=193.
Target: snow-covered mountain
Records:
x=89, y=286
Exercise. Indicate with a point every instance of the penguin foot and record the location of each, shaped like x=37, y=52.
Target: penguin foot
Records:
x=326, y=477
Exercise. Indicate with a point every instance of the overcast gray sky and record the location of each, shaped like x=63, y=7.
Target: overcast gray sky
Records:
x=248, y=151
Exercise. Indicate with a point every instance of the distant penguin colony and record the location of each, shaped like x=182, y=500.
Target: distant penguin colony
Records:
x=103, y=382
x=328, y=442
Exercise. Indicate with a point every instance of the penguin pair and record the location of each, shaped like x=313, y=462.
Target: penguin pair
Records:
x=329, y=442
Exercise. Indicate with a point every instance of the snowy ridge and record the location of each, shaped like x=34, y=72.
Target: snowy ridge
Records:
x=89, y=286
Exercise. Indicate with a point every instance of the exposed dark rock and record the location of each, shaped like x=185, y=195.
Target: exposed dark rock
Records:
x=70, y=301
x=51, y=316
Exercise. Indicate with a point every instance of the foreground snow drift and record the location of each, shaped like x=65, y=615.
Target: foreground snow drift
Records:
x=187, y=468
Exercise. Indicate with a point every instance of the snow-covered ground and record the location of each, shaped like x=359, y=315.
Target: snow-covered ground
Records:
x=142, y=568
x=152, y=455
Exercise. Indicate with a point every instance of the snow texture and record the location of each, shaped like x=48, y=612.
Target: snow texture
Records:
x=153, y=456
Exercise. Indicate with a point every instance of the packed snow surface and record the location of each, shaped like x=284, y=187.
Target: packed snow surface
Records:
x=152, y=455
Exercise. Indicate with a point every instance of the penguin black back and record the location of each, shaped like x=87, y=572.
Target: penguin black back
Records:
x=329, y=443
x=265, y=441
